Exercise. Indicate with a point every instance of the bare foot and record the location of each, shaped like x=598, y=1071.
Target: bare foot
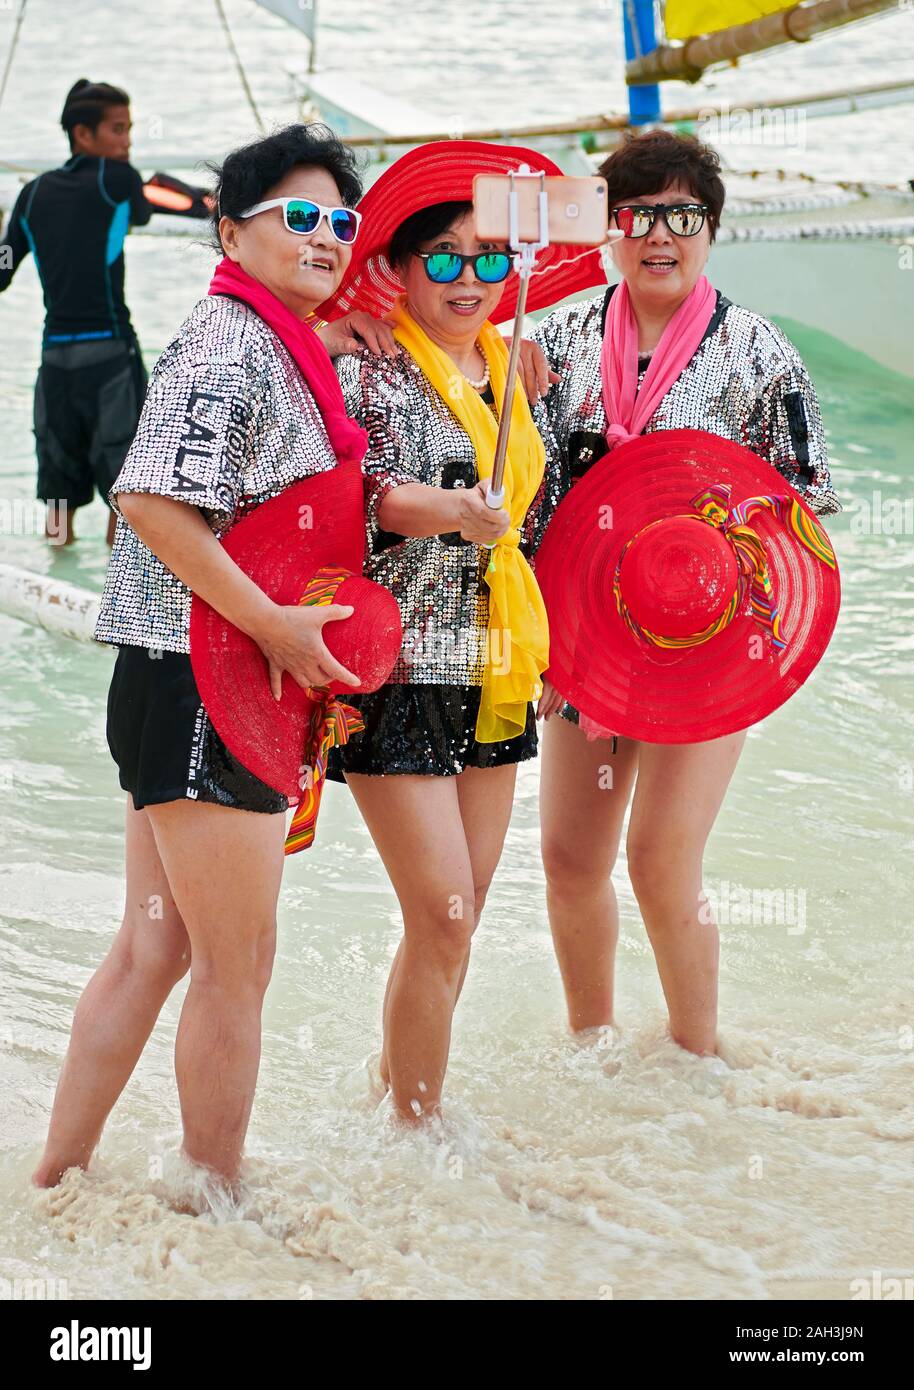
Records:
x=49, y=1174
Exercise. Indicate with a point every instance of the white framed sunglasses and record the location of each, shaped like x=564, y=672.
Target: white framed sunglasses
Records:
x=303, y=217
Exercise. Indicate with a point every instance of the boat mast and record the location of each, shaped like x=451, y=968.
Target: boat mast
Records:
x=640, y=29
x=312, y=39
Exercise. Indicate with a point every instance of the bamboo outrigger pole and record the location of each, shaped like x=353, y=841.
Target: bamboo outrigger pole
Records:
x=49, y=603
x=687, y=62
x=613, y=122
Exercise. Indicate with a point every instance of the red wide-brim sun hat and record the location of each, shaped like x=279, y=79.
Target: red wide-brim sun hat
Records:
x=313, y=525
x=667, y=573
x=443, y=172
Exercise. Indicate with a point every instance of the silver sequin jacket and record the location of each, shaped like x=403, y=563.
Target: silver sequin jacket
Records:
x=438, y=580
x=746, y=382
x=228, y=422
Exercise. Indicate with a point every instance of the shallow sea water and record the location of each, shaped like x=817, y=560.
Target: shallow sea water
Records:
x=610, y=1166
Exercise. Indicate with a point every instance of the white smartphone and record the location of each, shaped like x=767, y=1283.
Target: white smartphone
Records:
x=577, y=209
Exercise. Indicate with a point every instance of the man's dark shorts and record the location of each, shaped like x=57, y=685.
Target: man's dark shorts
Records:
x=88, y=399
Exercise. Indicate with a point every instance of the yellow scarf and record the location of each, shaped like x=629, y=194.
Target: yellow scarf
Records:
x=518, y=635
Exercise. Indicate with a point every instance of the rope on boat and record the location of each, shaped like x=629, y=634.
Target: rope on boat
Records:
x=53, y=604
x=888, y=229
x=12, y=53
x=239, y=66
x=864, y=188
x=787, y=202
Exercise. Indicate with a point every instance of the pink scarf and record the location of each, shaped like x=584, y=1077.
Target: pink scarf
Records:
x=347, y=439
x=628, y=409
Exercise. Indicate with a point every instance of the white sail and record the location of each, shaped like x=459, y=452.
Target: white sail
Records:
x=301, y=13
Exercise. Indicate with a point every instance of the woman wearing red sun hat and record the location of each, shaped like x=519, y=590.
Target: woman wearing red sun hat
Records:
x=689, y=588
x=434, y=772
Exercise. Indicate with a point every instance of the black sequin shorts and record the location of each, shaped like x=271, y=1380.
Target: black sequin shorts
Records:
x=425, y=730
x=164, y=745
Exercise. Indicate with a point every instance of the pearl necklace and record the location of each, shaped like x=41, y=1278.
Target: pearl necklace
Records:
x=480, y=385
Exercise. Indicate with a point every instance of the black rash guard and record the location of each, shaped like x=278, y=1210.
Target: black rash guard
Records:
x=74, y=220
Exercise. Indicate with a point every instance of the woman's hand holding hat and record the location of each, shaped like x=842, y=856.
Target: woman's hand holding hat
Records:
x=293, y=642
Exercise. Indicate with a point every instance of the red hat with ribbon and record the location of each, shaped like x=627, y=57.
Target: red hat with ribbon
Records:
x=690, y=589
x=443, y=172
x=305, y=546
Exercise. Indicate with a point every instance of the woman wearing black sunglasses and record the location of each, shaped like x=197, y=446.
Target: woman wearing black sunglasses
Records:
x=744, y=381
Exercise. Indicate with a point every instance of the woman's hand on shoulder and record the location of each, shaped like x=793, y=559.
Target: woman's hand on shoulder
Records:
x=355, y=331
x=476, y=520
x=292, y=640
x=534, y=370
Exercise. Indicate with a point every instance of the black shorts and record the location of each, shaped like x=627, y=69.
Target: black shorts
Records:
x=164, y=745
x=88, y=399
x=425, y=730
x=568, y=712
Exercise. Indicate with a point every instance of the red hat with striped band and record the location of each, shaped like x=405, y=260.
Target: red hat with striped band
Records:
x=304, y=546
x=690, y=589
x=443, y=172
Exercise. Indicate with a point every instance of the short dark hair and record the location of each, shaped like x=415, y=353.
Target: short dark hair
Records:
x=424, y=225
x=86, y=104
x=248, y=173
x=657, y=158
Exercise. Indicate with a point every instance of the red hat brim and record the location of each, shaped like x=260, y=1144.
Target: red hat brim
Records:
x=692, y=694
x=316, y=522
x=443, y=172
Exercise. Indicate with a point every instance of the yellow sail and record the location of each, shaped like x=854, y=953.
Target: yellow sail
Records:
x=684, y=19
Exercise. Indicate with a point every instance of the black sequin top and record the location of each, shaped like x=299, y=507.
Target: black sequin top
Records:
x=437, y=580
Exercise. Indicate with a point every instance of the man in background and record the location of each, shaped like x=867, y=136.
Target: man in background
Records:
x=92, y=382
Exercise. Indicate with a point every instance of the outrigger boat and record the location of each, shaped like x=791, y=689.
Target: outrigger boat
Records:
x=815, y=252
x=818, y=253
x=824, y=255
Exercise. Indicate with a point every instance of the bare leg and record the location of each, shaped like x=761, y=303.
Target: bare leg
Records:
x=679, y=792
x=584, y=790
x=224, y=867
x=384, y=1066
x=486, y=800
x=485, y=797
x=415, y=824
x=118, y=1007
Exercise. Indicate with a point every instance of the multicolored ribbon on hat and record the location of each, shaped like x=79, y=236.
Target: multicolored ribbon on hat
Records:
x=331, y=724
x=713, y=506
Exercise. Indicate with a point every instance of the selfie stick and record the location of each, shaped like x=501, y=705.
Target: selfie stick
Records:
x=524, y=262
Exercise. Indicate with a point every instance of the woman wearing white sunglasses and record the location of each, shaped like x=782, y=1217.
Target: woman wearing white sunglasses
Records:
x=243, y=403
